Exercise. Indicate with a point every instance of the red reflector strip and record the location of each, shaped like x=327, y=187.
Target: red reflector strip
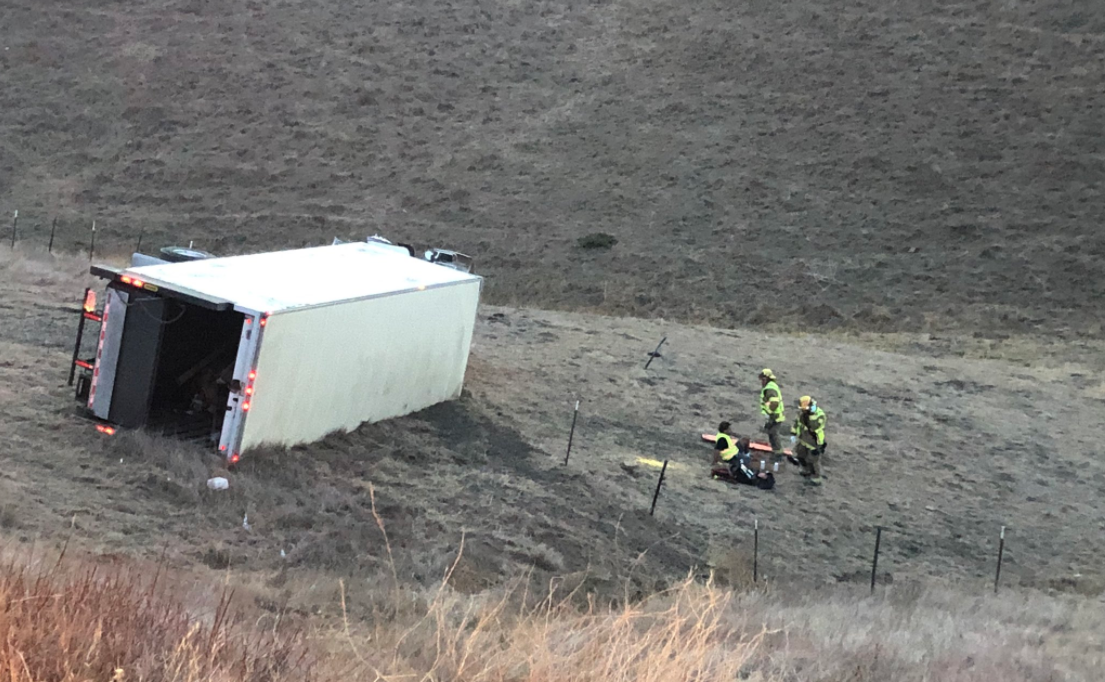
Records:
x=222, y=448
x=105, y=429
x=94, y=317
x=82, y=363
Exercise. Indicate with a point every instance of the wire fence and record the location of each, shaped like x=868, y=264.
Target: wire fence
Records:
x=875, y=533
x=978, y=549
x=74, y=236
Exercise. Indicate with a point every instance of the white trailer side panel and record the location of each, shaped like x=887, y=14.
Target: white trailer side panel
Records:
x=335, y=367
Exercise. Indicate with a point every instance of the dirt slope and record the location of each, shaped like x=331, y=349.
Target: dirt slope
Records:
x=930, y=441
x=883, y=166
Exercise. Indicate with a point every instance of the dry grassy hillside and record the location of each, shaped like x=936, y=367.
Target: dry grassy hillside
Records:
x=876, y=165
x=936, y=444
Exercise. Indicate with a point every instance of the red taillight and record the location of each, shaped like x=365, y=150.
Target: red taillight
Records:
x=222, y=448
x=125, y=280
x=249, y=390
x=264, y=321
x=234, y=458
x=105, y=429
x=90, y=302
x=252, y=376
x=245, y=406
x=139, y=283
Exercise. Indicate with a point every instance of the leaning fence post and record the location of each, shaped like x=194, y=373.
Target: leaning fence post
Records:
x=92, y=244
x=1001, y=553
x=138, y=247
x=571, y=434
x=875, y=561
x=656, y=353
x=15, y=225
x=659, y=482
x=756, y=551
x=53, y=227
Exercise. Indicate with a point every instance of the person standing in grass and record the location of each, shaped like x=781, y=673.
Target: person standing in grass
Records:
x=809, y=438
x=771, y=406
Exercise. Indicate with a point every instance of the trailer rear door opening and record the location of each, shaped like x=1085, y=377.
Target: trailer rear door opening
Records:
x=171, y=363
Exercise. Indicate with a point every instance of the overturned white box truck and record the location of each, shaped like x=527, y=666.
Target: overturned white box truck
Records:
x=277, y=348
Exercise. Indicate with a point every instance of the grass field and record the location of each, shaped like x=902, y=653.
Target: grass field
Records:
x=882, y=166
x=897, y=206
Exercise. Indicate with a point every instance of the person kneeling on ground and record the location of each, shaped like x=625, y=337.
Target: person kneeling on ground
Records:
x=733, y=460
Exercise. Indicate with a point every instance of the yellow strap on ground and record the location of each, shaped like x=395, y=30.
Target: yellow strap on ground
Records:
x=656, y=463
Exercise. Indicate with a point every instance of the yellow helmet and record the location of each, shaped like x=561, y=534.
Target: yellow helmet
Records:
x=768, y=374
x=804, y=402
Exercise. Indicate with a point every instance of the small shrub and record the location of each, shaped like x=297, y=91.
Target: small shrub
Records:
x=218, y=558
x=597, y=240
x=8, y=517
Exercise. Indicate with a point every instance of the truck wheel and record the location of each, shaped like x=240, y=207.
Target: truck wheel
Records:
x=181, y=254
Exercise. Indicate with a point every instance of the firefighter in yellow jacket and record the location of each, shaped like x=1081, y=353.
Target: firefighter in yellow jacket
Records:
x=771, y=406
x=809, y=438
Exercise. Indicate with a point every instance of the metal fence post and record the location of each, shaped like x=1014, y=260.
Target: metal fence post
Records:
x=1001, y=553
x=756, y=551
x=571, y=434
x=875, y=561
x=656, y=353
x=656, y=495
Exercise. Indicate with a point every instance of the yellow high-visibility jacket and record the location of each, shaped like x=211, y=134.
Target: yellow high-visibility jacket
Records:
x=771, y=402
x=728, y=447
x=810, y=431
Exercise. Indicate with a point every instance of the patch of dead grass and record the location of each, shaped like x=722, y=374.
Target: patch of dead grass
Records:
x=74, y=620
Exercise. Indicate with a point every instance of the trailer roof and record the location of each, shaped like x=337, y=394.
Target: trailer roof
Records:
x=301, y=278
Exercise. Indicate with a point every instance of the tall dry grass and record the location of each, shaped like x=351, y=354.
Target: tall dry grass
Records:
x=695, y=632
x=701, y=633
x=74, y=621
x=678, y=635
